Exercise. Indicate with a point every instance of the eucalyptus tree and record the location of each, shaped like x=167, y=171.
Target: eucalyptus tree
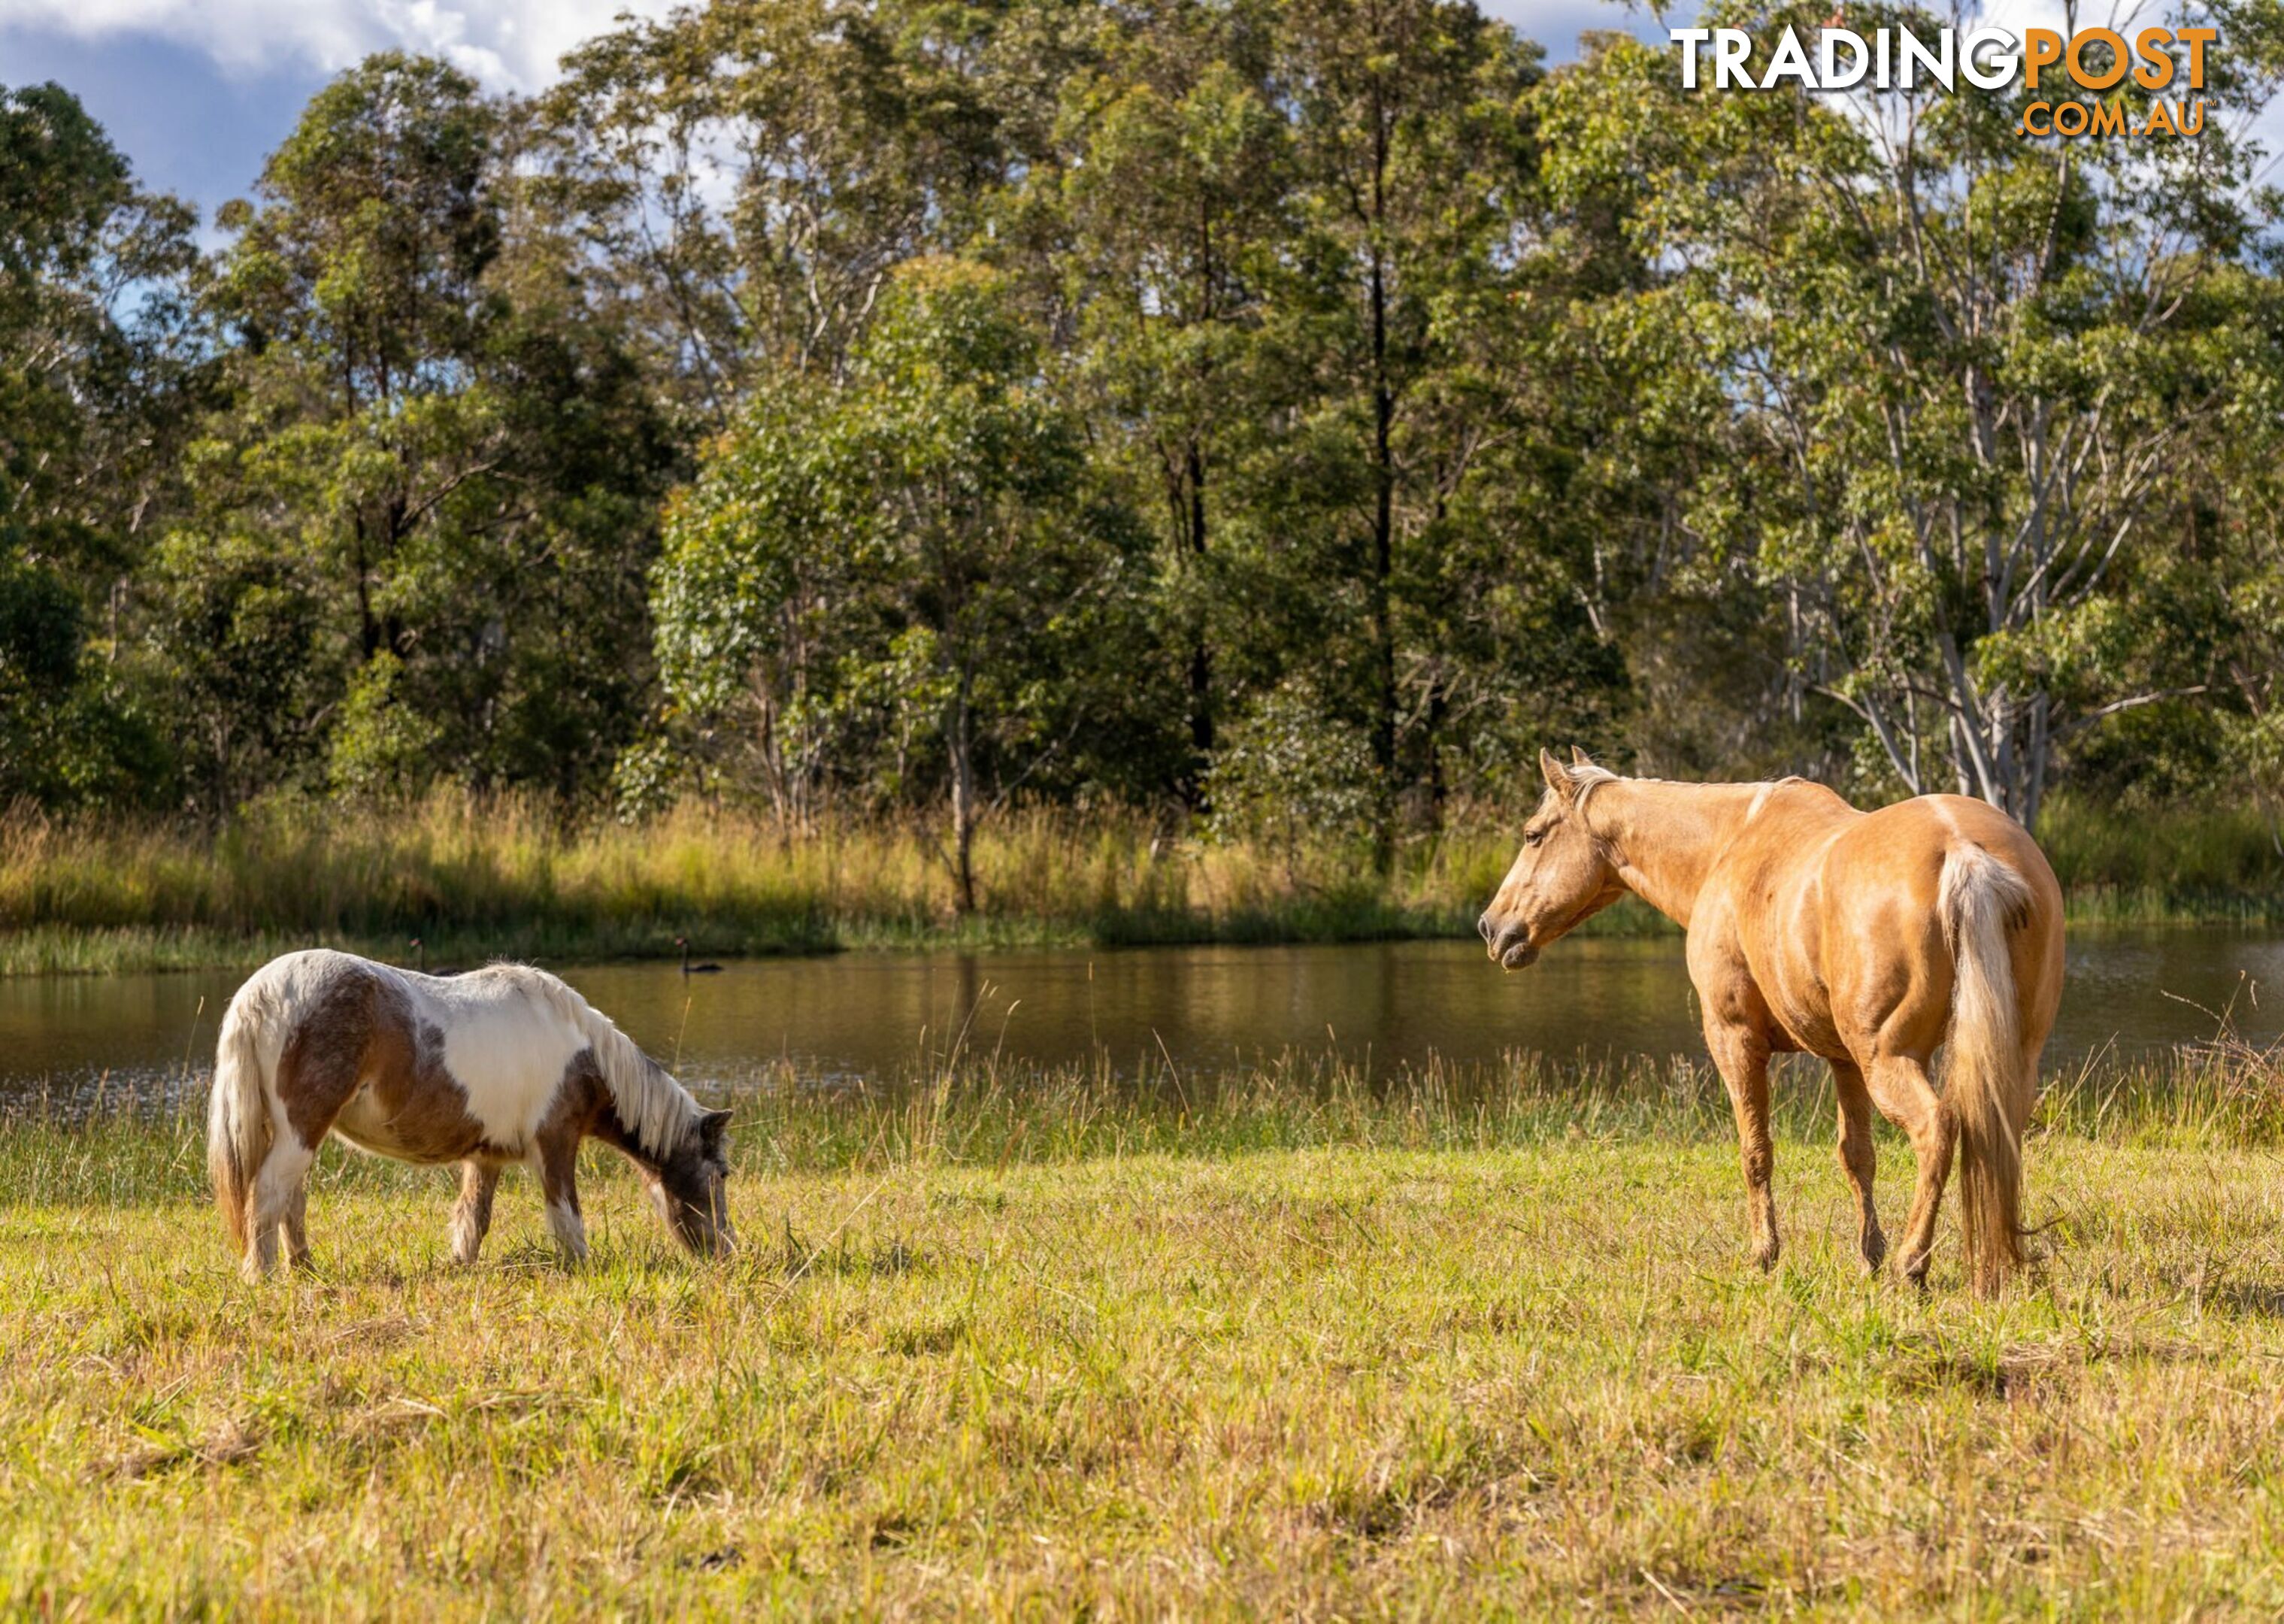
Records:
x=1177, y=204
x=1413, y=156
x=1959, y=374
x=751, y=173
x=430, y=418
x=911, y=562
x=100, y=367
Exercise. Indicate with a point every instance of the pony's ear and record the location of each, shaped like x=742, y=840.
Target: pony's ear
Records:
x=711, y=1128
x=1557, y=776
x=1579, y=758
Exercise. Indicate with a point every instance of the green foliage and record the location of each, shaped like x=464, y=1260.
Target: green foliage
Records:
x=1285, y=778
x=1962, y=380
x=910, y=560
x=93, y=376
x=878, y=408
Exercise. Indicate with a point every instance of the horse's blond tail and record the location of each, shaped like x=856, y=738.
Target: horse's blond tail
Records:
x=1989, y=1087
x=238, y=1117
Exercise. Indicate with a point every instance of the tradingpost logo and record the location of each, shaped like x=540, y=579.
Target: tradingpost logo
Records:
x=2078, y=81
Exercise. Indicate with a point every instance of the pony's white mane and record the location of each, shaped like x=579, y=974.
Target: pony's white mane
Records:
x=651, y=1105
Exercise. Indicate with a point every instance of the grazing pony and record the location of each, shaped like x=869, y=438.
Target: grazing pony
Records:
x=501, y=1065
x=1867, y=938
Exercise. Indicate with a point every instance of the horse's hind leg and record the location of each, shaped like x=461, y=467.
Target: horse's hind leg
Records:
x=295, y=1230
x=472, y=1214
x=315, y=1077
x=280, y=1189
x=1899, y=1087
x=1858, y=1158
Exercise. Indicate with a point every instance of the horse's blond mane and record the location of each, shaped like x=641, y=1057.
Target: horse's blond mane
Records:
x=1589, y=777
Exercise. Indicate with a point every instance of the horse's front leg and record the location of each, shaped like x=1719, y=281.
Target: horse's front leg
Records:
x=1741, y=1054
x=558, y=1156
x=472, y=1214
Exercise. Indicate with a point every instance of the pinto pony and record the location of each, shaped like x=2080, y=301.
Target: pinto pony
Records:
x=1867, y=938
x=499, y=1066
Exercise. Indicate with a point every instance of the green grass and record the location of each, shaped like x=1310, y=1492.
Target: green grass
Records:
x=1267, y=1345
x=478, y=879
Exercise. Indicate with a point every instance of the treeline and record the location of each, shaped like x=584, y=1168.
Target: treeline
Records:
x=1289, y=416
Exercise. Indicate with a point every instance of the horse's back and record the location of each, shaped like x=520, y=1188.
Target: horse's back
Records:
x=425, y=1067
x=510, y=1036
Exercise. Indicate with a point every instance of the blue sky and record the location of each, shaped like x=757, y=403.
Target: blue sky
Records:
x=196, y=93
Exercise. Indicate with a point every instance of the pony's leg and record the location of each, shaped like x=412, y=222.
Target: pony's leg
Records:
x=295, y=1230
x=472, y=1214
x=1899, y=1087
x=1742, y=1057
x=278, y=1190
x=1858, y=1158
x=559, y=1181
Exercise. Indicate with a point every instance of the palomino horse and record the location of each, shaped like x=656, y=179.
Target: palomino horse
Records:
x=499, y=1066
x=1867, y=938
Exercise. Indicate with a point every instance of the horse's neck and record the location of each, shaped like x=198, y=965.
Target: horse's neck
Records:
x=1665, y=838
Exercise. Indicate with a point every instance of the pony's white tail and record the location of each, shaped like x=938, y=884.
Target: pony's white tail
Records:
x=1989, y=1087
x=237, y=1118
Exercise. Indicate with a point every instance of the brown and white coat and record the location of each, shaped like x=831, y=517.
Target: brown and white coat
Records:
x=501, y=1066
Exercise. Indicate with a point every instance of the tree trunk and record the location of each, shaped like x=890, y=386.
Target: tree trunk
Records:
x=1202, y=719
x=1383, y=540
x=963, y=803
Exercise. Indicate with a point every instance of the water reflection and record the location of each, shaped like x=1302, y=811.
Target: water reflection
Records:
x=1387, y=1003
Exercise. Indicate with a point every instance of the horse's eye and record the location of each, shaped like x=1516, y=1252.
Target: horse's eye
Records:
x=1533, y=837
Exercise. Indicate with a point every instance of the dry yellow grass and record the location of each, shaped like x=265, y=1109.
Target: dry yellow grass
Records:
x=480, y=877
x=1365, y=1358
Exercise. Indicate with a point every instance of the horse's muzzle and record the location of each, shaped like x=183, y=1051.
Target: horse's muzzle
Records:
x=1509, y=945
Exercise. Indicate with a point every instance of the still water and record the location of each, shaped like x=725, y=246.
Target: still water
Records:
x=876, y=1015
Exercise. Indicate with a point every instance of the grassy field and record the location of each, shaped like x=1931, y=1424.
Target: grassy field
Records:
x=1273, y=1346
x=478, y=879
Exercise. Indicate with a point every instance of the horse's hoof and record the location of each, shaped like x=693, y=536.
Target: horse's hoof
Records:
x=1765, y=1257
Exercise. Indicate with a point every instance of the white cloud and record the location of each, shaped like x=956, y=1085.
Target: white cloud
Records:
x=510, y=44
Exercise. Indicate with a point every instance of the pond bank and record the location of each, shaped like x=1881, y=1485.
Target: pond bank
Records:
x=475, y=880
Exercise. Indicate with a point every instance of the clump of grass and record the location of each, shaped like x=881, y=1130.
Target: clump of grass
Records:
x=979, y=1110
x=477, y=877
x=1264, y=1343
x=2216, y=862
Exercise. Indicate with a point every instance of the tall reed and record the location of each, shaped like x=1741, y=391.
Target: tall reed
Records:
x=475, y=876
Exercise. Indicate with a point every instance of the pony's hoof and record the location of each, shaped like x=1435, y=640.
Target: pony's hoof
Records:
x=1874, y=1253
x=1765, y=1257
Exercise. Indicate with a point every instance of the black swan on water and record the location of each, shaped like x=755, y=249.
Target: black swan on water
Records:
x=687, y=967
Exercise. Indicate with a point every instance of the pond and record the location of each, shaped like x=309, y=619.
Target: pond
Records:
x=1382, y=1005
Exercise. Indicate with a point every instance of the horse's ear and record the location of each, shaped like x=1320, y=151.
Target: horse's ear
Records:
x=1579, y=758
x=711, y=1125
x=1557, y=776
